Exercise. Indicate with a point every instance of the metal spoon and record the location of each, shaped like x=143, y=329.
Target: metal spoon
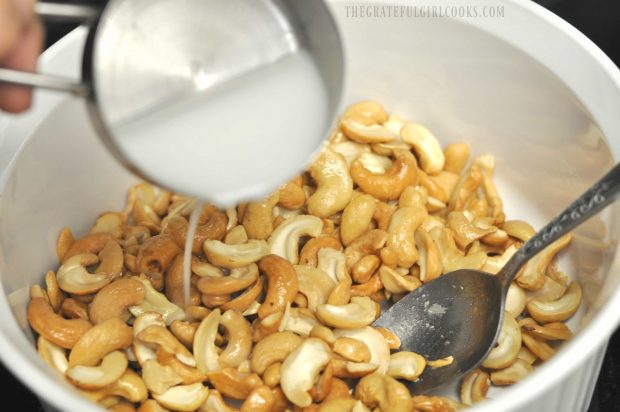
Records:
x=460, y=314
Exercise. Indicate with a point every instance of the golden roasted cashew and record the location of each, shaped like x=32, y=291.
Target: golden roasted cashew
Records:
x=298, y=320
x=159, y=378
x=284, y=241
x=375, y=163
x=426, y=147
x=465, y=232
x=238, y=279
x=429, y=259
x=157, y=302
x=272, y=374
x=334, y=184
x=366, y=112
x=457, y=156
x=163, y=339
x=356, y=217
x=142, y=351
x=440, y=363
x=557, y=310
x=385, y=392
x=92, y=244
x=392, y=340
x=129, y=386
x=282, y=284
x=333, y=263
x=362, y=311
x=100, y=340
x=189, y=374
x=301, y=368
x=309, y=253
x=183, y=397
x=515, y=300
x=314, y=284
x=63, y=243
x=212, y=227
x=110, y=223
x=113, y=300
x=151, y=405
x=370, y=288
x=519, y=229
x=62, y=332
x=173, y=285
x=258, y=219
x=205, y=351
x=350, y=150
x=474, y=387
x=366, y=133
x=324, y=333
x=184, y=331
x=292, y=195
x=401, y=234
x=112, y=367
x=383, y=215
x=235, y=256
x=36, y=291
x=53, y=355
x=234, y=384
x=389, y=185
x=394, y=282
x=155, y=255
x=239, y=339
x=363, y=270
x=54, y=293
x=379, y=349
x=261, y=399
x=74, y=278
x=236, y=236
x=486, y=164
x=467, y=185
x=494, y=264
x=550, y=331
x=512, y=374
x=215, y=403
x=435, y=404
x=451, y=257
x=367, y=244
x=272, y=349
x=508, y=345
x=532, y=277
x=406, y=365
x=351, y=349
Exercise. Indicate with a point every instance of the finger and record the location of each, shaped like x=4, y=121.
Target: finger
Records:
x=24, y=56
x=10, y=27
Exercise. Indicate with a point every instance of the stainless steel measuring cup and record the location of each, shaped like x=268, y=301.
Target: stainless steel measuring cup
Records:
x=142, y=55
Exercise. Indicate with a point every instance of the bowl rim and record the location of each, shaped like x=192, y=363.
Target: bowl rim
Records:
x=592, y=338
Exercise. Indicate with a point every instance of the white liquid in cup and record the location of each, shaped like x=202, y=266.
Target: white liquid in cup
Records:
x=239, y=142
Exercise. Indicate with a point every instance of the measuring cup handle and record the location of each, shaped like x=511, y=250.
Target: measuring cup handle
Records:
x=66, y=12
x=53, y=12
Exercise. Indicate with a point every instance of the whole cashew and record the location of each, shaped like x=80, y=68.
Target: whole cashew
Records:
x=366, y=112
x=213, y=228
x=387, y=186
x=239, y=279
x=284, y=241
x=205, y=351
x=100, y=340
x=239, y=339
x=235, y=256
x=356, y=217
x=88, y=244
x=425, y=145
x=309, y=253
x=292, y=195
x=62, y=332
x=368, y=244
x=282, y=284
x=301, y=368
x=258, y=219
x=401, y=234
x=173, y=285
x=114, y=299
x=272, y=349
x=385, y=392
x=154, y=257
x=457, y=156
x=74, y=278
x=234, y=384
x=334, y=184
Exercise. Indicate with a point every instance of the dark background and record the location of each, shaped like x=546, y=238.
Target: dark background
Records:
x=600, y=21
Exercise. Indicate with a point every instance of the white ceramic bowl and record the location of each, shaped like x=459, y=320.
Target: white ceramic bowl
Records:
x=527, y=87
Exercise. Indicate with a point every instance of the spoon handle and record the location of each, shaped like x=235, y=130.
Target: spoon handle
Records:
x=599, y=196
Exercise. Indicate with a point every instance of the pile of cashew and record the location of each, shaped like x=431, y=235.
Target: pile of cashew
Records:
x=284, y=290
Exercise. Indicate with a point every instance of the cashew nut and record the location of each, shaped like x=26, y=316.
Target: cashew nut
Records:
x=112, y=367
x=205, y=351
x=257, y=219
x=159, y=378
x=334, y=184
x=515, y=300
x=89, y=244
x=235, y=256
x=160, y=336
x=519, y=229
x=383, y=391
x=356, y=217
x=350, y=150
x=211, y=225
x=429, y=259
x=367, y=244
x=238, y=279
x=426, y=147
x=557, y=310
x=301, y=368
x=157, y=302
x=379, y=349
x=532, y=277
x=512, y=374
x=142, y=351
x=393, y=282
x=282, y=284
x=401, y=234
x=284, y=241
x=74, y=278
x=236, y=236
x=366, y=112
x=113, y=300
x=351, y=349
x=155, y=255
x=457, y=156
x=315, y=284
x=239, y=339
x=550, y=331
x=100, y=340
x=272, y=349
x=309, y=253
x=464, y=230
x=508, y=345
x=261, y=399
x=53, y=355
x=298, y=320
x=390, y=184
x=362, y=311
x=363, y=133
x=406, y=365
x=184, y=397
x=474, y=387
x=62, y=332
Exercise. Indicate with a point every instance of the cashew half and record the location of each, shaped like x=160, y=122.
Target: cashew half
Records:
x=401, y=234
x=301, y=368
x=385, y=392
x=315, y=285
x=376, y=342
x=406, y=365
x=284, y=241
x=257, y=219
x=508, y=345
x=235, y=256
x=239, y=339
x=362, y=311
x=236, y=281
x=558, y=310
x=100, y=340
x=532, y=277
x=282, y=284
x=457, y=156
x=143, y=352
x=184, y=397
x=112, y=367
x=362, y=133
x=53, y=355
x=205, y=351
x=74, y=278
x=356, y=217
x=389, y=185
x=474, y=387
x=113, y=300
x=159, y=303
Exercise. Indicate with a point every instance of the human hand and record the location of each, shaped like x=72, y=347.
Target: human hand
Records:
x=21, y=41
